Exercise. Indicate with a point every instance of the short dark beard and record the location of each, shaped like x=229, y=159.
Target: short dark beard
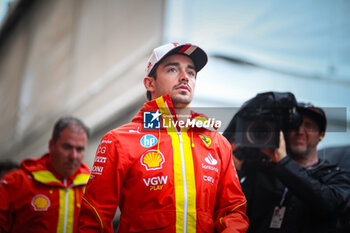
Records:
x=299, y=155
x=175, y=102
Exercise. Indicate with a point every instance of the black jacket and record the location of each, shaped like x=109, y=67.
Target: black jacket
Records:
x=314, y=197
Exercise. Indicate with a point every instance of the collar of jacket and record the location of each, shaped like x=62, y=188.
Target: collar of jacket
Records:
x=42, y=172
x=164, y=105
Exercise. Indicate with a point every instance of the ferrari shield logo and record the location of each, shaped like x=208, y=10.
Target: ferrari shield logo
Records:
x=205, y=139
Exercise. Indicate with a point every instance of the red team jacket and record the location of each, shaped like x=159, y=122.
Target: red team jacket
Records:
x=34, y=199
x=163, y=180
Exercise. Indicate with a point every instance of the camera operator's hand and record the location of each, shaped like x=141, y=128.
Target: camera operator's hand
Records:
x=279, y=153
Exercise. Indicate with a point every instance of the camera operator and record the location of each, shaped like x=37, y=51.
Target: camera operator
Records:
x=289, y=189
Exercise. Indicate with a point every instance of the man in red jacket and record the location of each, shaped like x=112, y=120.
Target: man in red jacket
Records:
x=44, y=194
x=165, y=171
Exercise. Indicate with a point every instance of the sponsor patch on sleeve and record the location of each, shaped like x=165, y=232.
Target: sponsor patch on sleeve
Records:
x=97, y=170
x=100, y=159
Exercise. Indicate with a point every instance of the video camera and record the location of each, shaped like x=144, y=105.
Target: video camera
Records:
x=258, y=123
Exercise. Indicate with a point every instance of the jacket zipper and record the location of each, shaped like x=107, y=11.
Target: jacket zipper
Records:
x=66, y=207
x=183, y=166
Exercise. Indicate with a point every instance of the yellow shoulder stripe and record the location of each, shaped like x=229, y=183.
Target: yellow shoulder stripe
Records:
x=81, y=179
x=45, y=177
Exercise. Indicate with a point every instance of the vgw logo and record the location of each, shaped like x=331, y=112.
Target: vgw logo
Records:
x=151, y=120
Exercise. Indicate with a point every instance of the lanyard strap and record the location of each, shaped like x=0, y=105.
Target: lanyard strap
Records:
x=284, y=196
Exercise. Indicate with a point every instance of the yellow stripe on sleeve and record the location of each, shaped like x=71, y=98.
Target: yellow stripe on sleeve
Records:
x=98, y=216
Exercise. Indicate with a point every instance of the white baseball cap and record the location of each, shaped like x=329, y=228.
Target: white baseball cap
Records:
x=198, y=56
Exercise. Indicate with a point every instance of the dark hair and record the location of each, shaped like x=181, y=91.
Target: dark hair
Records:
x=153, y=75
x=316, y=113
x=64, y=122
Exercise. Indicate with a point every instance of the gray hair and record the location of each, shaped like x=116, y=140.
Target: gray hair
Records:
x=64, y=122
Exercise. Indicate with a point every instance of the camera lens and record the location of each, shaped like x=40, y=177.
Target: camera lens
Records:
x=260, y=132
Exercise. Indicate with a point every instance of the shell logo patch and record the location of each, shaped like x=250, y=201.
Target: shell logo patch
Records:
x=152, y=160
x=205, y=139
x=41, y=202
